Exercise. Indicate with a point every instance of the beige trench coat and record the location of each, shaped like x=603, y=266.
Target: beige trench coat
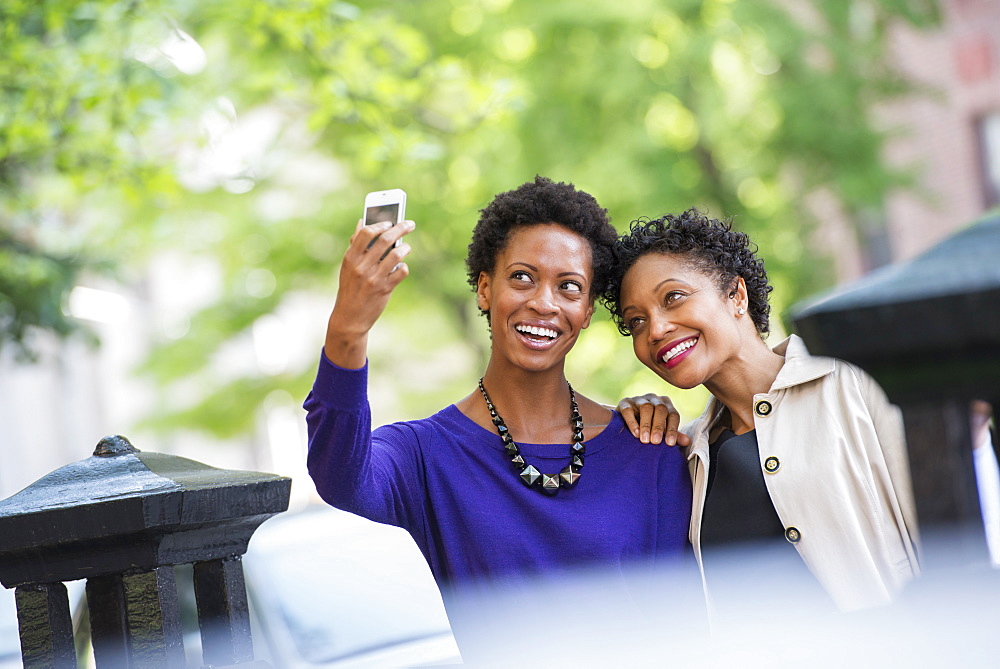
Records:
x=834, y=458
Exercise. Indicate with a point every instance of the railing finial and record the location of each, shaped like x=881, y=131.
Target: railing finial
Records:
x=114, y=445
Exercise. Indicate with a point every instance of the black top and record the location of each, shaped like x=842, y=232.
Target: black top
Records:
x=737, y=505
x=749, y=564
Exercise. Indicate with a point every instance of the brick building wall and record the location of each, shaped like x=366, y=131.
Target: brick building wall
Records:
x=960, y=64
x=939, y=138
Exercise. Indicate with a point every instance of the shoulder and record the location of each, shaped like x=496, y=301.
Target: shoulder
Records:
x=617, y=438
x=446, y=423
x=849, y=377
x=852, y=377
x=616, y=431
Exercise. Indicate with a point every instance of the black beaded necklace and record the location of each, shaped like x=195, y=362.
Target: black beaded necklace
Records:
x=528, y=474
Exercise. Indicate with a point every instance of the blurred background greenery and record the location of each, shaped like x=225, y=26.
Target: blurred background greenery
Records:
x=226, y=147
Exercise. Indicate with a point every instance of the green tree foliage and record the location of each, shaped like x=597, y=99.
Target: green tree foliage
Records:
x=256, y=158
x=69, y=103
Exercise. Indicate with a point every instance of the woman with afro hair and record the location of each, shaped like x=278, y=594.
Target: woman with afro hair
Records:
x=792, y=450
x=523, y=477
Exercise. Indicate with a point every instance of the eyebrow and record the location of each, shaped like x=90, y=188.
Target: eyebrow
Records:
x=655, y=289
x=660, y=284
x=522, y=264
x=535, y=269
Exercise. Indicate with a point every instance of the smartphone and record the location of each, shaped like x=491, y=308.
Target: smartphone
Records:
x=385, y=205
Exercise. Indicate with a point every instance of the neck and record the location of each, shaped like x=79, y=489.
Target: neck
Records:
x=534, y=405
x=753, y=371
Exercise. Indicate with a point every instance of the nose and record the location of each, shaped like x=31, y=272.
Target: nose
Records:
x=660, y=327
x=543, y=300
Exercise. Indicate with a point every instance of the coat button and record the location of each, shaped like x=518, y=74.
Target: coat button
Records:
x=793, y=535
x=771, y=464
x=762, y=408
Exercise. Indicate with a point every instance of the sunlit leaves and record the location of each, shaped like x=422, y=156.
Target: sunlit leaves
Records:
x=670, y=124
x=651, y=52
x=244, y=135
x=32, y=288
x=71, y=104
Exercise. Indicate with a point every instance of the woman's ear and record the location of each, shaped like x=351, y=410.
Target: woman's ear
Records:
x=740, y=297
x=483, y=292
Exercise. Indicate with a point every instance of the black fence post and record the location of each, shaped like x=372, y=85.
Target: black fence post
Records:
x=152, y=618
x=223, y=613
x=46, y=626
x=122, y=520
x=108, y=628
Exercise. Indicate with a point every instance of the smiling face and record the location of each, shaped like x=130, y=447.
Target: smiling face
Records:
x=683, y=326
x=539, y=295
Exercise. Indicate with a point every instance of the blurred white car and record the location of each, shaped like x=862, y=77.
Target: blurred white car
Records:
x=330, y=589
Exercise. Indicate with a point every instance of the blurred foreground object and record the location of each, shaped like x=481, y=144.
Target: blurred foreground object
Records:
x=328, y=588
x=122, y=519
x=928, y=330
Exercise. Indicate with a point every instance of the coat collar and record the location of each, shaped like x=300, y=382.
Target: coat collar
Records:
x=799, y=368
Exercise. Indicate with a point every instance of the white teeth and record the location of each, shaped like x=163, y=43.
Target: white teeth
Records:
x=541, y=332
x=677, y=350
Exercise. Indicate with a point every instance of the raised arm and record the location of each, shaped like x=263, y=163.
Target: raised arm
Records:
x=374, y=476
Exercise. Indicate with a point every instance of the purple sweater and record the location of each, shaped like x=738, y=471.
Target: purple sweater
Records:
x=446, y=480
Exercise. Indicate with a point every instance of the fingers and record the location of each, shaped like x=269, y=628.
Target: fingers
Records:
x=638, y=413
x=383, y=232
x=373, y=244
x=398, y=272
x=627, y=410
x=393, y=233
x=673, y=423
x=665, y=423
x=372, y=268
x=658, y=421
x=382, y=275
x=653, y=419
x=647, y=412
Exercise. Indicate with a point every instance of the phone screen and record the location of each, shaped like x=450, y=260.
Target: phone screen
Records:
x=383, y=212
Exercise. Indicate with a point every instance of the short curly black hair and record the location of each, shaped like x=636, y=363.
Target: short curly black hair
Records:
x=542, y=201
x=708, y=245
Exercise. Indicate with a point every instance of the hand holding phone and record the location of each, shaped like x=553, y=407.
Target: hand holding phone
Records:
x=366, y=284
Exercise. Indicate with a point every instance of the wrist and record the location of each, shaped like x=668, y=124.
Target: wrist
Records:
x=349, y=355
x=345, y=347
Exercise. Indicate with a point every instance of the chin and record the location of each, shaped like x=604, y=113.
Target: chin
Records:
x=673, y=380
x=539, y=364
